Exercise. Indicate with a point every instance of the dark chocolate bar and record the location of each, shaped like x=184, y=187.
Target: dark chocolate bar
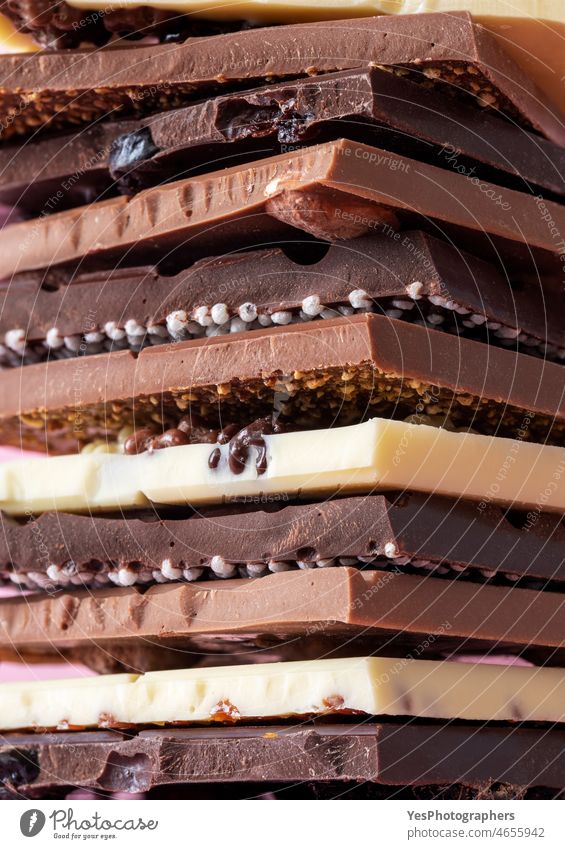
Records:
x=346, y=369
x=394, y=755
x=416, y=278
x=367, y=105
x=410, y=532
x=54, y=90
x=334, y=191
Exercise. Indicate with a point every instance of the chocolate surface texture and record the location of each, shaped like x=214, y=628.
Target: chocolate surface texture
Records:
x=448, y=48
x=416, y=278
x=412, y=531
x=342, y=369
x=369, y=105
x=359, y=255
x=291, y=616
x=333, y=191
x=390, y=754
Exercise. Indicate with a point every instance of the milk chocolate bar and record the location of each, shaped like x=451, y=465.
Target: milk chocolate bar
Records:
x=432, y=758
x=411, y=532
x=379, y=611
x=416, y=278
x=330, y=371
x=265, y=460
x=368, y=105
x=495, y=762
x=334, y=191
x=56, y=89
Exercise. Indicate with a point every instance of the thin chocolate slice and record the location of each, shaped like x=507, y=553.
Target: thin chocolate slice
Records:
x=370, y=105
x=56, y=89
x=409, y=532
x=330, y=371
x=338, y=190
x=416, y=278
x=380, y=611
x=390, y=754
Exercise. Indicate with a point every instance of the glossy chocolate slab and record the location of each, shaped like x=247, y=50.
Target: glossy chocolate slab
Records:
x=326, y=612
x=449, y=49
x=416, y=278
x=412, y=531
x=370, y=105
x=391, y=754
x=335, y=191
x=343, y=369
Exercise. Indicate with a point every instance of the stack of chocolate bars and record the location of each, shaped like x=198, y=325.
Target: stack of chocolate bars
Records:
x=282, y=320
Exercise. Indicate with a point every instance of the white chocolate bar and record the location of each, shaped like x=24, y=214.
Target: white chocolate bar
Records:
x=374, y=686
x=377, y=455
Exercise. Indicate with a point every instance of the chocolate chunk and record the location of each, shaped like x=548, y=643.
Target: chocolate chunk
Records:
x=393, y=755
x=411, y=532
x=366, y=365
x=446, y=48
x=340, y=180
x=314, y=213
x=414, y=277
x=59, y=172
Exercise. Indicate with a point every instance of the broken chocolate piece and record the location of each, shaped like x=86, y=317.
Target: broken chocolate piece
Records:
x=447, y=49
x=354, y=686
x=260, y=461
x=390, y=754
x=415, y=278
x=409, y=532
x=55, y=173
x=325, y=612
x=342, y=182
x=365, y=105
x=364, y=364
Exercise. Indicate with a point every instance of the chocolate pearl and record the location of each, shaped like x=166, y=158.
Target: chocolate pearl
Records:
x=197, y=431
x=227, y=433
x=214, y=458
x=139, y=441
x=170, y=439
